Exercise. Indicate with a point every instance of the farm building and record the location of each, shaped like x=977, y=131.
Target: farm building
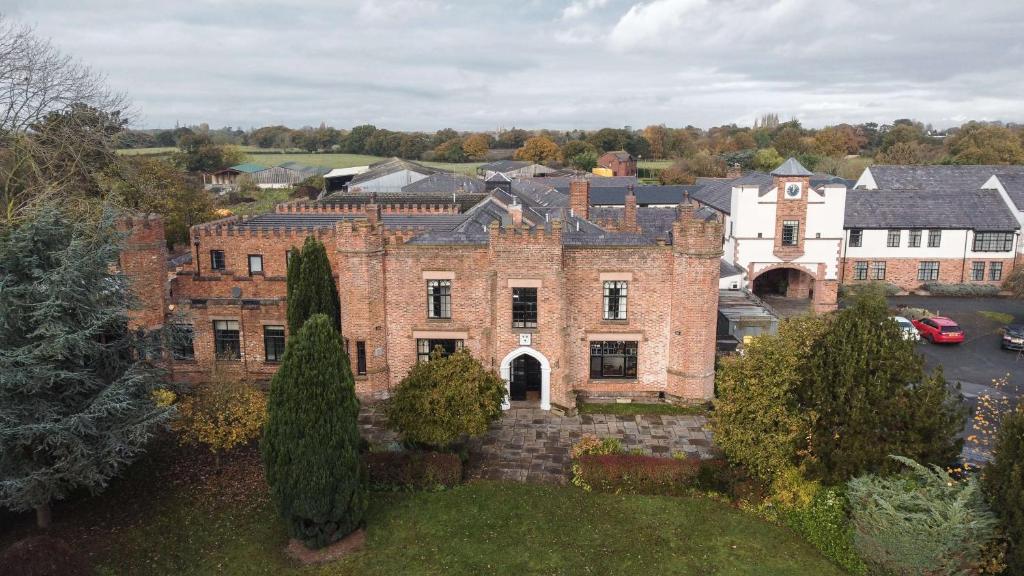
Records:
x=618, y=163
x=390, y=176
x=282, y=176
x=513, y=169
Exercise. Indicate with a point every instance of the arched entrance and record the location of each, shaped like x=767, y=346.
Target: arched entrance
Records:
x=527, y=374
x=788, y=289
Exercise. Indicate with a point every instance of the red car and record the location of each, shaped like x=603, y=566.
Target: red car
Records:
x=939, y=330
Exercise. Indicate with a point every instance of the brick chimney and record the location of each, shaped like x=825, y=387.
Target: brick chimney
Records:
x=629, y=223
x=579, y=197
x=373, y=210
x=515, y=212
x=734, y=172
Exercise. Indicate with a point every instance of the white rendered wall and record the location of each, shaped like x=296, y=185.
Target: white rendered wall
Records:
x=954, y=244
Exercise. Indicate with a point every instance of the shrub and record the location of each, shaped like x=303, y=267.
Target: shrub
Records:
x=221, y=414
x=413, y=470
x=590, y=444
x=757, y=421
x=823, y=522
x=633, y=474
x=42, y=556
x=311, y=442
x=444, y=399
x=921, y=522
x=733, y=481
x=1004, y=483
x=943, y=289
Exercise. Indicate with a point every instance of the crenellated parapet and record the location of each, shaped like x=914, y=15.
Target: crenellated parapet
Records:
x=696, y=236
x=521, y=235
x=305, y=207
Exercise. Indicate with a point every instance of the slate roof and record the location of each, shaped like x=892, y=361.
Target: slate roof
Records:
x=464, y=201
x=982, y=210
x=792, y=167
x=933, y=177
x=1014, y=186
x=561, y=183
x=445, y=183
x=535, y=192
x=646, y=194
x=319, y=220
x=620, y=155
x=717, y=194
x=504, y=165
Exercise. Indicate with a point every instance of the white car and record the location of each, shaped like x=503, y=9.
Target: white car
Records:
x=909, y=331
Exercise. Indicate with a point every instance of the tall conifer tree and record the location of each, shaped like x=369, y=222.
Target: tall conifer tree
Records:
x=296, y=305
x=76, y=399
x=314, y=291
x=311, y=441
x=871, y=397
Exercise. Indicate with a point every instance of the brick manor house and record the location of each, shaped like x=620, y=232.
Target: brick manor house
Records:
x=569, y=286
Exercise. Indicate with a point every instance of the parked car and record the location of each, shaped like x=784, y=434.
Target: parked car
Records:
x=939, y=330
x=1013, y=337
x=909, y=332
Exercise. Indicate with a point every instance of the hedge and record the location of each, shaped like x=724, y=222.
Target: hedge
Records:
x=633, y=474
x=413, y=470
x=941, y=289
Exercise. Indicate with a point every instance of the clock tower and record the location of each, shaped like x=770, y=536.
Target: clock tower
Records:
x=792, y=185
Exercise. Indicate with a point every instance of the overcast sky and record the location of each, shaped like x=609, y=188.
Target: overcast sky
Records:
x=478, y=64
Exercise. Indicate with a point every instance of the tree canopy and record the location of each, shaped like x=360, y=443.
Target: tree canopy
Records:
x=76, y=386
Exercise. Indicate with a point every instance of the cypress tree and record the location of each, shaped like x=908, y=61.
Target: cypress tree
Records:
x=76, y=400
x=314, y=291
x=869, y=396
x=296, y=314
x=311, y=441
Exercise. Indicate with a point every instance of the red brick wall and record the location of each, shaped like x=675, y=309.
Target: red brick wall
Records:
x=618, y=167
x=903, y=271
x=144, y=261
x=791, y=209
x=672, y=302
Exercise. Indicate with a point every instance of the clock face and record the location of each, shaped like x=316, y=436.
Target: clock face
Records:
x=793, y=190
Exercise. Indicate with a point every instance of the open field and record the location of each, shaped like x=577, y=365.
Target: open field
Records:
x=203, y=522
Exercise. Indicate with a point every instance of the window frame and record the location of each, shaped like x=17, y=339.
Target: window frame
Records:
x=614, y=349
x=878, y=270
x=927, y=273
x=860, y=270
x=793, y=227
x=893, y=238
x=934, y=238
x=178, y=344
x=616, y=306
x=442, y=299
x=249, y=260
x=978, y=271
x=856, y=237
x=278, y=339
x=360, y=358
x=995, y=271
x=523, y=309
x=992, y=242
x=223, y=339
x=914, y=237
x=215, y=256
x=424, y=347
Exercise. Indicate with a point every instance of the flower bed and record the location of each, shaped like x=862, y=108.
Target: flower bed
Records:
x=633, y=474
x=413, y=470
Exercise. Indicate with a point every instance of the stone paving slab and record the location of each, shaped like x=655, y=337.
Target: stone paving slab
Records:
x=532, y=445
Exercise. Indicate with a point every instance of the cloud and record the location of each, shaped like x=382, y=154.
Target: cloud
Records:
x=650, y=20
x=475, y=65
x=581, y=8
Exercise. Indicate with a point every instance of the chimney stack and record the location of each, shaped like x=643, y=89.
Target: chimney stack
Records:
x=579, y=197
x=515, y=212
x=629, y=223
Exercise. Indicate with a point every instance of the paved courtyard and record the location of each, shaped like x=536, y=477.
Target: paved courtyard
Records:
x=532, y=445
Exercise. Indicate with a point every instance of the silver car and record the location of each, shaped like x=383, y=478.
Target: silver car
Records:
x=909, y=331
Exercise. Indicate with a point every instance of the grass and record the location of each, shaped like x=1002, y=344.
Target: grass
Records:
x=159, y=151
x=265, y=200
x=634, y=408
x=998, y=317
x=480, y=528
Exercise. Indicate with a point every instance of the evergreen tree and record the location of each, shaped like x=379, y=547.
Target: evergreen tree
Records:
x=314, y=292
x=1004, y=483
x=296, y=314
x=311, y=441
x=76, y=399
x=870, y=396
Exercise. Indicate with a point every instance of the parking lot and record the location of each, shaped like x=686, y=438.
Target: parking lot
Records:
x=979, y=359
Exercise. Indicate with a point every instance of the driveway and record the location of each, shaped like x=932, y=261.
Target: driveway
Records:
x=979, y=359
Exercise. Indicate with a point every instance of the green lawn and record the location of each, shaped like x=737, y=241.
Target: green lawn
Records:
x=634, y=408
x=345, y=161
x=480, y=528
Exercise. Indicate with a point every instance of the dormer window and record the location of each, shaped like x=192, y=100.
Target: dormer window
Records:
x=793, y=190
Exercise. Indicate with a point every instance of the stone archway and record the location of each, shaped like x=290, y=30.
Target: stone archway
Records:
x=789, y=288
x=545, y=375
